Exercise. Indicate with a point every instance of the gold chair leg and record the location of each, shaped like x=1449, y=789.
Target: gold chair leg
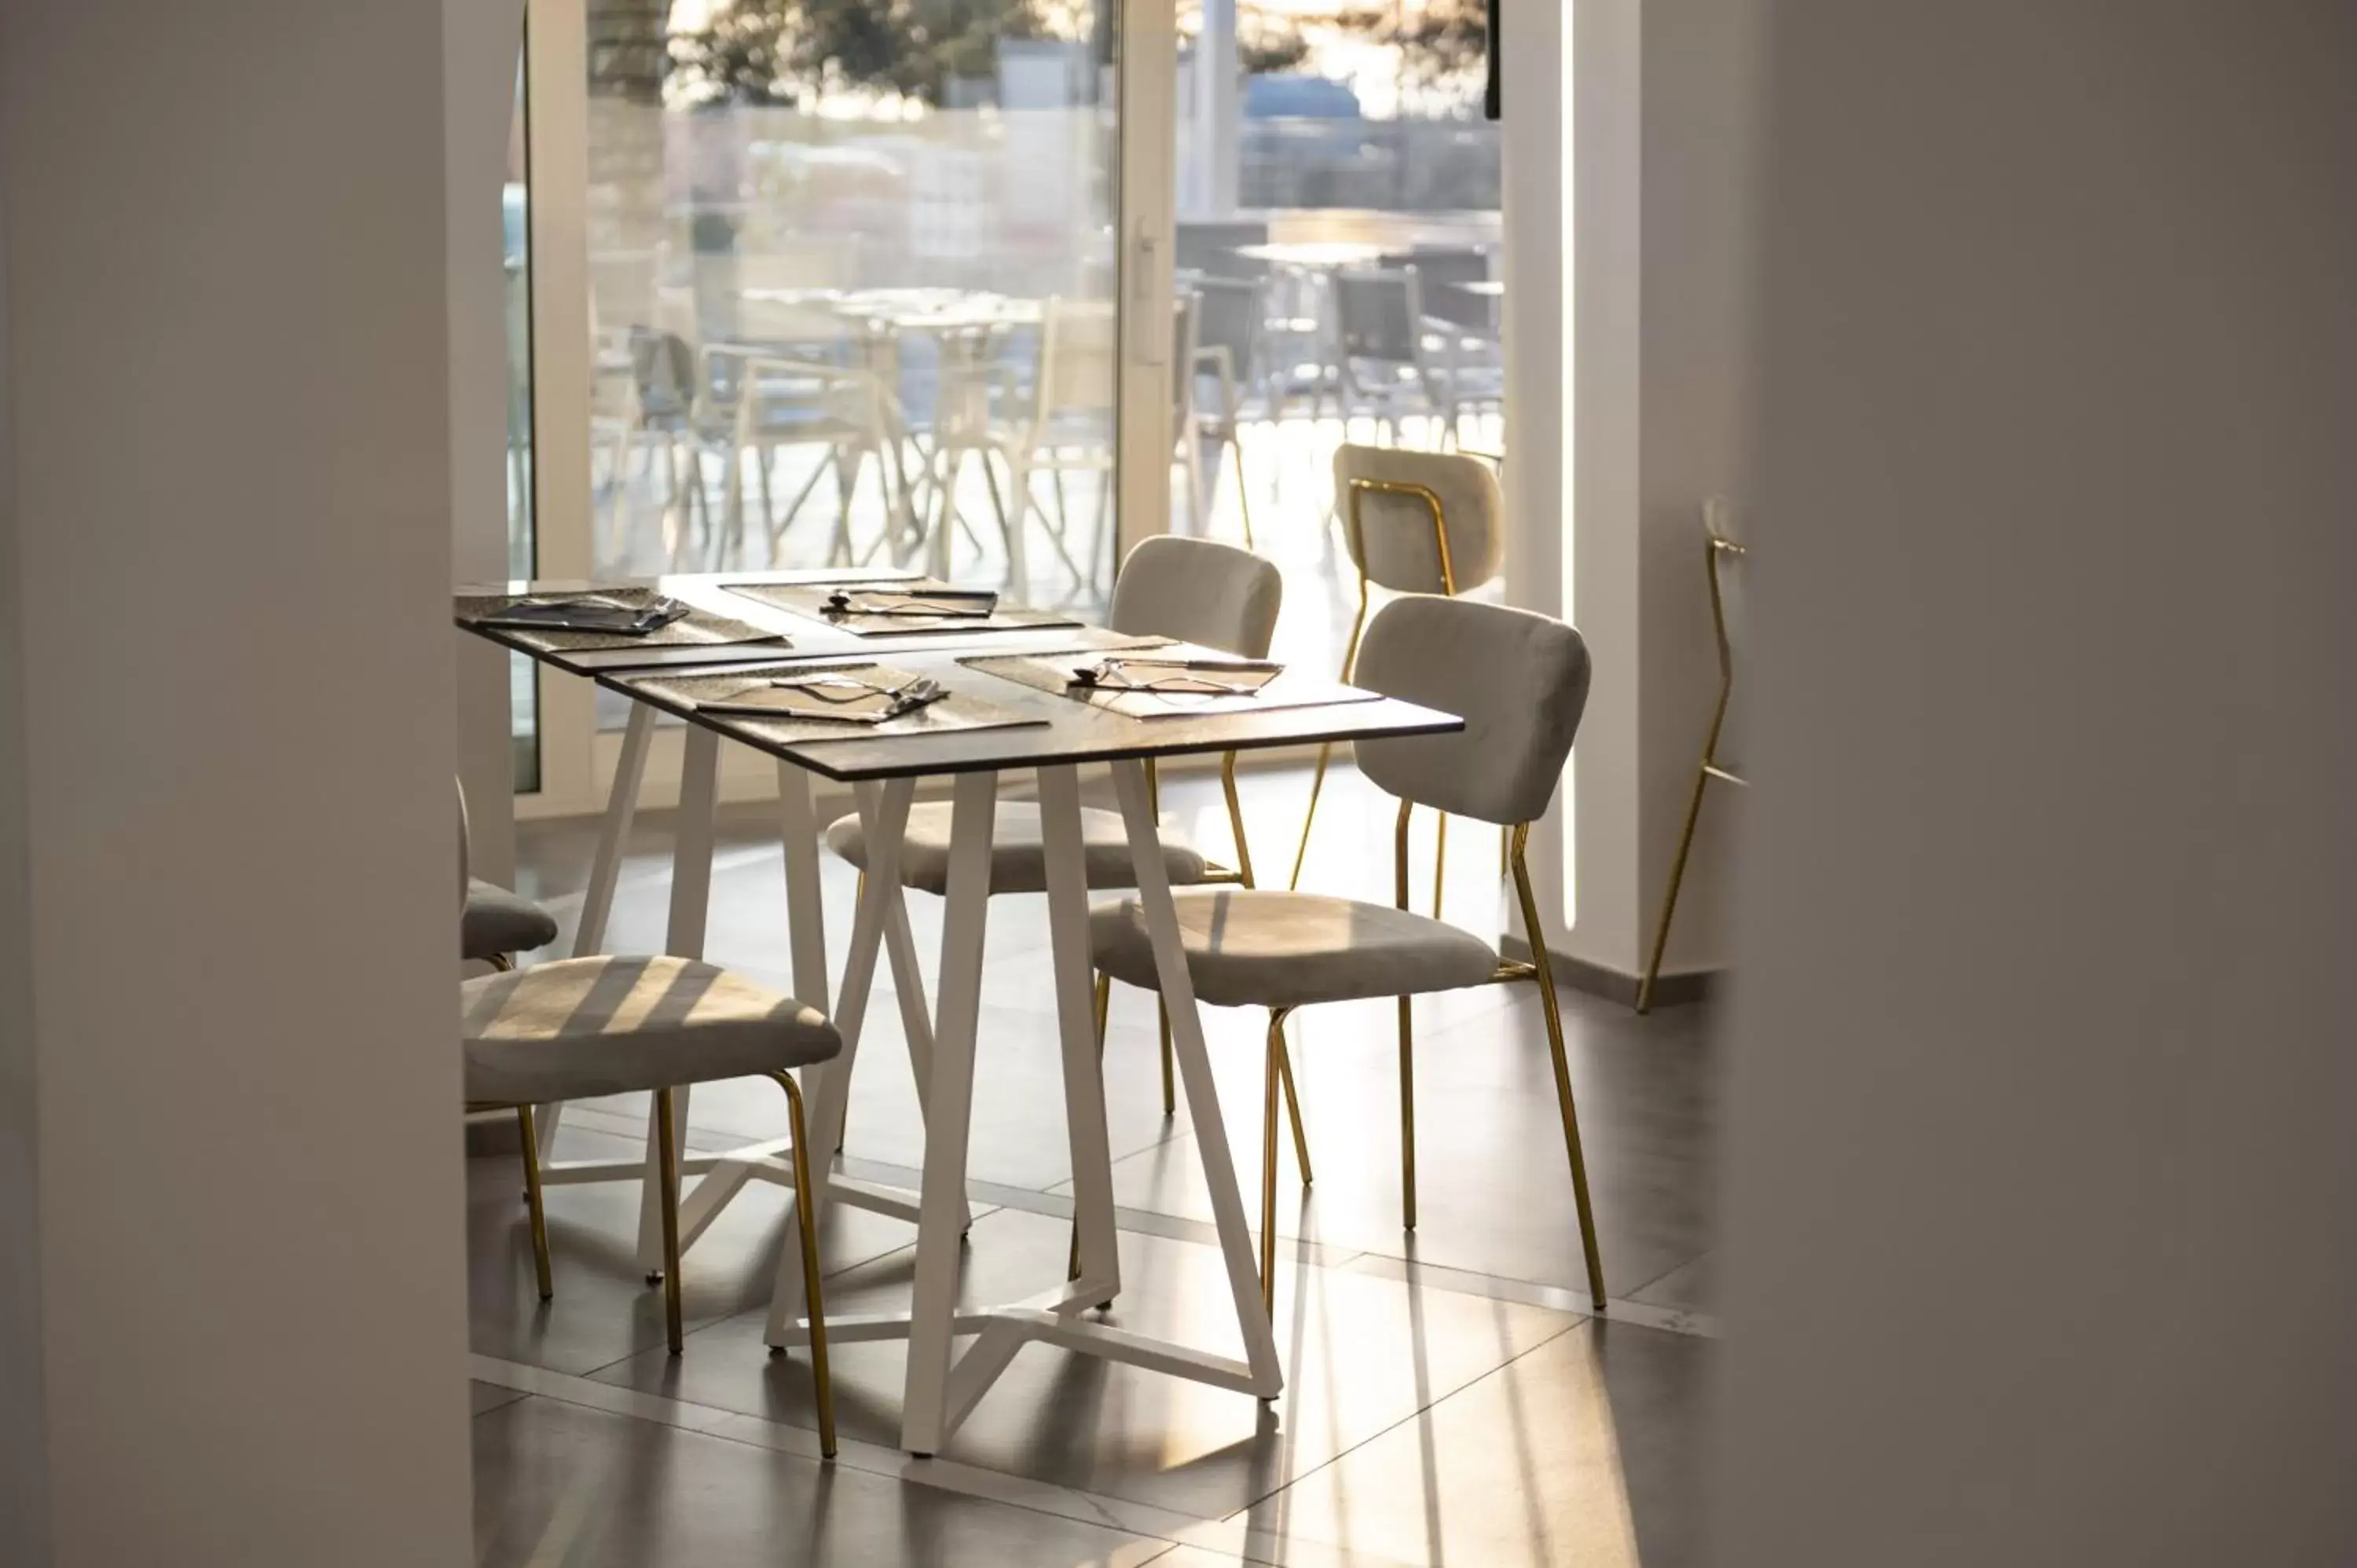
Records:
x=807, y=1222
x=1669, y=894
x=1309, y=817
x=1544, y=979
x=1407, y=1113
x=1236, y=819
x=1243, y=489
x=1169, y=1061
x=1439, y=862
x=667, y=1172
x=531, y=1199
x=1326, y=752
x=1293, y=1106
x=1268, y=1162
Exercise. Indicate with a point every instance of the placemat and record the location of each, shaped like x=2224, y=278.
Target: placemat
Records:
x=809, y=601
x=698, y=628
x=1053, y=672
x=955, y=713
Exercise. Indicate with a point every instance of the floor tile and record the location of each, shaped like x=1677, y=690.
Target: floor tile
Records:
x=482, y=1396
x=1359, y=1355
x=556, y=1484
x=604, y=1309
x=1493, y=1184
x=1471, y=1320
x=1694, y=1288
x=1575, y=1455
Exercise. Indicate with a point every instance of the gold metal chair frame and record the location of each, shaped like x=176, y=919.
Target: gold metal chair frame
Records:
x=1355, y=523
x=667, y=1170
x=1277, y=1074
x=1715, y=549
x=1213, y=877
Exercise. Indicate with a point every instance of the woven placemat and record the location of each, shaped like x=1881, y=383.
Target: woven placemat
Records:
x=697, y=628
x=1053, y=672
x=955, y=713
x=809, y=601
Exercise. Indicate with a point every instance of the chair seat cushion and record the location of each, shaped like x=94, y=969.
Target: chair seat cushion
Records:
x=585, y=1026
x=1019, y=857
x=1269, y=949
x=497, y=921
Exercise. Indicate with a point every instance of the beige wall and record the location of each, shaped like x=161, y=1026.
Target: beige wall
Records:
x=2038, y=1192
x=1648, y=105
x=1701, y=62
x=229, y=507
x=24, y=1414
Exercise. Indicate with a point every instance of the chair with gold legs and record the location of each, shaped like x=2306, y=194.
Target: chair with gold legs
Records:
x=496, y=925
x=582, y=1028
x=1414, y=522
x=1520, y=681
x=1723, y=558
x=1195, y=590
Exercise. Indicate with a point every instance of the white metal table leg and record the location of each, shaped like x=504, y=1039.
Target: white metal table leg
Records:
x=882, y=887
x=690, y=908
x=1195, y=1072
x=1084, y=1105
x=613, y=831
x=948, y=1111
x=805, y=909
x=883, y=816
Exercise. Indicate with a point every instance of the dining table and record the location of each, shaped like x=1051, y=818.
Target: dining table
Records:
x=1025, y=695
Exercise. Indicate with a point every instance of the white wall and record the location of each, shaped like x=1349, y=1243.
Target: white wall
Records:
x=2040, y=1247
x=229, y=510
x=1701, y=62
x=1628, y=176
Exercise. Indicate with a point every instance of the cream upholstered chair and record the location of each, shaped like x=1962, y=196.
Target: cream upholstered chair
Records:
x=1196, y=590
x=582, y=1028
x=1725, y=557
x=495, y=925
x=1414, y=522
x=1520, y=681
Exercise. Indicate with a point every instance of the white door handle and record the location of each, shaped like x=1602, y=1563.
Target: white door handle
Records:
x=1149, y=338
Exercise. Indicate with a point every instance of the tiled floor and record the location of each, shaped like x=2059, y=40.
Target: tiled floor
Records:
x=1449, y=1398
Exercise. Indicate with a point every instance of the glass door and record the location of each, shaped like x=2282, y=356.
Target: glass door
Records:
x=1339, y=240
x=826, y=282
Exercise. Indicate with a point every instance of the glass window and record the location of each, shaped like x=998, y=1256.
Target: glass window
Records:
x=1339, y=235
x=852, y=277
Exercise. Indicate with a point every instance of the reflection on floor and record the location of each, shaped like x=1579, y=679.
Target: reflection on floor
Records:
x=1448, y=1399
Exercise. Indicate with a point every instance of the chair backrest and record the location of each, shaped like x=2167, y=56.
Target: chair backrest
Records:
x=1080, y=351
x=1440, y=270
x=1197, y=590
x=1375, y=314
x=1395, y=542
x=1519, y=680
x=1212, y=248
x=1228, y=313
x=665, y=368
x=1729, y=558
